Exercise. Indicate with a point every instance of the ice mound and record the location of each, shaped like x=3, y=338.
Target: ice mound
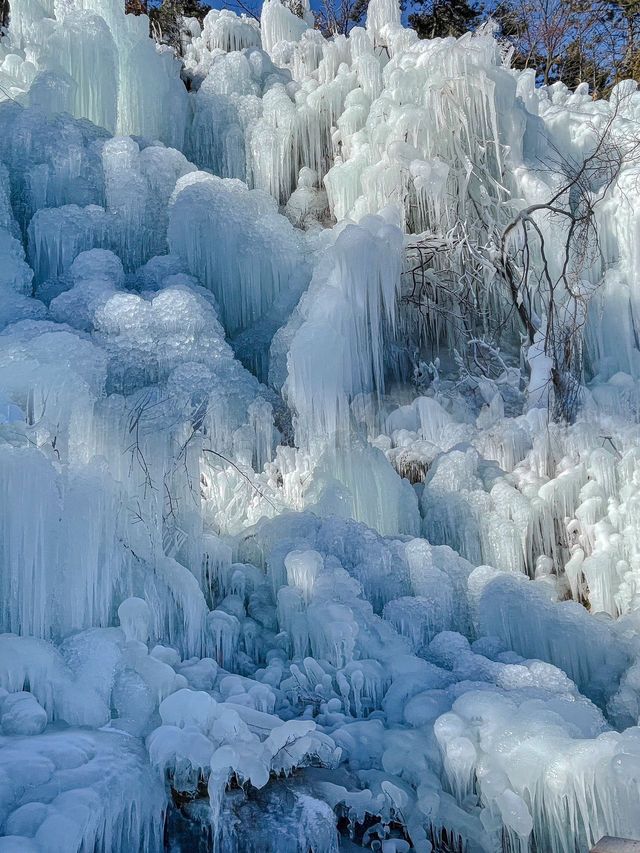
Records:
x=75, y=789
x=248, y=266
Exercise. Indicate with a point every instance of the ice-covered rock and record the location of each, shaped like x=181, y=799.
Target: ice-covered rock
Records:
x=21, y=714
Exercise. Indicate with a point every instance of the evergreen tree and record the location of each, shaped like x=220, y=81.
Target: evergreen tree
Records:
x=440, y=18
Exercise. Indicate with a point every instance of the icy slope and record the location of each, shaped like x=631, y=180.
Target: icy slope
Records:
x=292, y=555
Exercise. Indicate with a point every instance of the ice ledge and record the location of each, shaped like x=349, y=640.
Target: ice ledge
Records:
x=616, y=845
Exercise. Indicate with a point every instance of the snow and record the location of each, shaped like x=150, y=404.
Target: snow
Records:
x=291, y=558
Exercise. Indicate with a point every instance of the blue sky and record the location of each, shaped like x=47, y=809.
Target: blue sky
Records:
x=255, y=5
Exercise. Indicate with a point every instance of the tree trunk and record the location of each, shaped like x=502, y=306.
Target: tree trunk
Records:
x=4, y=14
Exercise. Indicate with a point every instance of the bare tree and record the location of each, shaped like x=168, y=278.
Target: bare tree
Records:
x=543, y=31
x=491, y=280
x=552, y=296
x=573, y=41
x=337, y=17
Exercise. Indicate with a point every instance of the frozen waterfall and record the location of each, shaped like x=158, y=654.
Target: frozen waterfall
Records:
x=296, y=553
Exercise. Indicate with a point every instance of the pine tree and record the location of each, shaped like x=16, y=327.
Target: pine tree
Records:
x=440, y=18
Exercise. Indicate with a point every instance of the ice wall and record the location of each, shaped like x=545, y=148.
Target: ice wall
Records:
x=335, y=339
x=248, y=266
x=283, y=566
x=116, y=77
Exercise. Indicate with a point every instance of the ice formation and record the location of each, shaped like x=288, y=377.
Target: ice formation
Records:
x=292, y=558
